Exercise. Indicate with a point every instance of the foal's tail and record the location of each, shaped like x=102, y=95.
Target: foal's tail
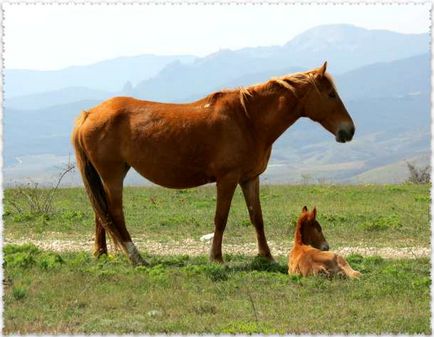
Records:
x=92, y=182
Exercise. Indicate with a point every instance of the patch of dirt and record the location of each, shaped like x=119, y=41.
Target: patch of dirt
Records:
x=196, y=247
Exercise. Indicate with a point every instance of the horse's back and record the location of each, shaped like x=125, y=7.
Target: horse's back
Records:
x=174, y=145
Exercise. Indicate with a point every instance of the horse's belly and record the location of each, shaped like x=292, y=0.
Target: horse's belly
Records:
x=169, y=161
x=174, y=176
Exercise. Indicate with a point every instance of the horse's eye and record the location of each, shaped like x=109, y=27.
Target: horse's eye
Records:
x=332, y=94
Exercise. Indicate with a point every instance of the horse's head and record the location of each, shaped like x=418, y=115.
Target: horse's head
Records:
x=309, y=230
x=324, y=106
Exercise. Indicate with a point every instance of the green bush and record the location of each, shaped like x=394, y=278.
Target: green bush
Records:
x=19, y=293
x=50, y=261
x=383, y=222
x=28, y=255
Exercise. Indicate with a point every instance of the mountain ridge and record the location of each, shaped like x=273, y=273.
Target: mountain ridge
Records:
x=97, y=76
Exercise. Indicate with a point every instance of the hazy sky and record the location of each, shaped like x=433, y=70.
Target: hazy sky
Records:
x=56, y=36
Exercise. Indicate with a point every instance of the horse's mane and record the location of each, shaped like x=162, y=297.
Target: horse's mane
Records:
x=300, y=78
x=288, y=82
x=243, y=93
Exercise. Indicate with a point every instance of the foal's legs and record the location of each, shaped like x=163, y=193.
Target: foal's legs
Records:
x=346, y=268
x=251, y=195
x=225, y=192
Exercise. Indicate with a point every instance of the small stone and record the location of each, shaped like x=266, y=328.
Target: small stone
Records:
x=155, y=313
x=207, y=237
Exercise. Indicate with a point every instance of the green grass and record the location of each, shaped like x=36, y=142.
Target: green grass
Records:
x=74, y=293
x=45, y=292
x=373, y=215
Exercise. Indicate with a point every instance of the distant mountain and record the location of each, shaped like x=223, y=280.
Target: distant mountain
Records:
x=395, y=172
x=43, y=131
x=346, y=48
x=179, y=78
x=349, y=47
x=56, y=97
x=401, y=78
x=178, y=81
x=110, y=75
x=407, y=76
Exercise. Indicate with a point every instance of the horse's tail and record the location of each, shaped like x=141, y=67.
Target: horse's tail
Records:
x=92, y=181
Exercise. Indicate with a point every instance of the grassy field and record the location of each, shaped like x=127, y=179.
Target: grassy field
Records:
x=378, y=216
x=71, y=292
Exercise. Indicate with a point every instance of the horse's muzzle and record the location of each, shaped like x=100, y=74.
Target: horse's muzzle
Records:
x=345, y=134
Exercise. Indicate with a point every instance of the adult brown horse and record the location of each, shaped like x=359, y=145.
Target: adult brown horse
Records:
x=225, y=138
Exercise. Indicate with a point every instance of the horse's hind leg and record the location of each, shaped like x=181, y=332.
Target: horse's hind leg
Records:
x=113, y=184
x=100, y=238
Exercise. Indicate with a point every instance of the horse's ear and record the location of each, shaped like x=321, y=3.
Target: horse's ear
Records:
x=304, y=210
x=322, y=69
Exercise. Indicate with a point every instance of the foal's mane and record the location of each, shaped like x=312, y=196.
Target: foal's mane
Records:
x=300, y=222
x=288, y=82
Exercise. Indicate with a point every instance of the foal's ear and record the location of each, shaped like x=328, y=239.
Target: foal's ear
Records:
x=314, y=213
x=304, y=210
x=322, y=69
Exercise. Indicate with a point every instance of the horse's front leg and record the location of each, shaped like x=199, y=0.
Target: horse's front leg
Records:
x=225, y=192
x=251, y=195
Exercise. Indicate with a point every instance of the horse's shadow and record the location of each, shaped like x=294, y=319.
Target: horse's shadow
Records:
x=233, y=264
x=260, y=264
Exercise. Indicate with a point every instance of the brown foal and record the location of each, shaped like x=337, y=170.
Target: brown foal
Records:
x=225, y=138
x=309, y=254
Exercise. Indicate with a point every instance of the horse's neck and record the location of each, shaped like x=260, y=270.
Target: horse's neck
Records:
x=274, y=111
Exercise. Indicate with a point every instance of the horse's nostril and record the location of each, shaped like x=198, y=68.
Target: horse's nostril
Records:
x=345, y=134
x=325, y=247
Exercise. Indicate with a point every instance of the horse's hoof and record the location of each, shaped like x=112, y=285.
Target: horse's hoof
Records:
x=141, y=263
x=100, y=252
x=216, y=259
x=355, y=275
x=267, y=257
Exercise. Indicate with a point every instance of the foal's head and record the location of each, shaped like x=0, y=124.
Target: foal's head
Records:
x=308, y=230
x=324, y=106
